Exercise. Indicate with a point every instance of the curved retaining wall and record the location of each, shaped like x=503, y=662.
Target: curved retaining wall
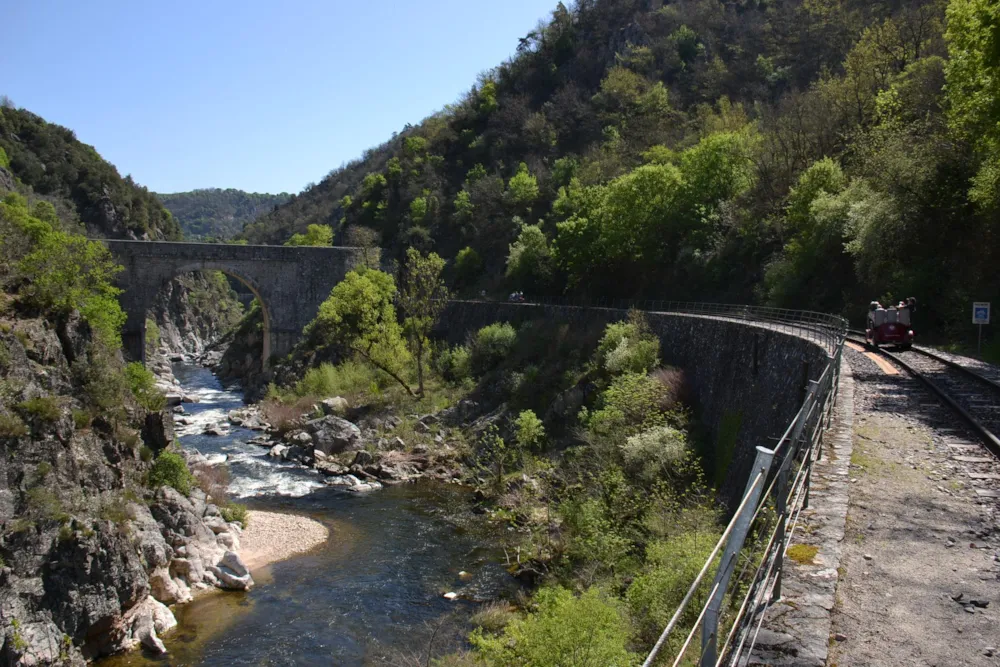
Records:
x=747, y=379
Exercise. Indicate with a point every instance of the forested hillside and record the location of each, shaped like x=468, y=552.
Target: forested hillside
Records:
x=48, y=159
x=803, y=153
x=216, y=214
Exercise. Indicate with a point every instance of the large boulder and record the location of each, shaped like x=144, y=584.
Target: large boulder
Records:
x=337, y=406
x=332, y=434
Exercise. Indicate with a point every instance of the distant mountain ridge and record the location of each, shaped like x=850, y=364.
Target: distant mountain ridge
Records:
x=214, y=213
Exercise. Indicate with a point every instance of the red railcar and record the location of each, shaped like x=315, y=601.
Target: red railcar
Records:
x=892, y=325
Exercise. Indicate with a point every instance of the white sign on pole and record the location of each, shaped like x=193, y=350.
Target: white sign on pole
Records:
x=981, y=312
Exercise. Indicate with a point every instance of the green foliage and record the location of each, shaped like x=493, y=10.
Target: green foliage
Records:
x=81, y=419
x=454, y=364
x=491, y=345
x=11, y=426
x=673, y=563
x=170, y=469
x=316, y=235
x=57, y=272
x=347, y=379
x=142, y=384
x=529, y=430
x=4, y=160
x=418, y=210
x=655, y=454
x=468, y=266
x=359, y=318
x=628, y=346
x=422, y=300
x=632, y=403
x=235, y=512
x=215, y=214
x=973, y=90
x=47, y=409
x=529, y=264
x=522, y=189
x=152, y=336
x=566, y=630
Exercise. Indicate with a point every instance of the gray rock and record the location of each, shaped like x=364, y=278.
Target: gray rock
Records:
x=363, y=458
x=332, y=434
x=233, y=561
x=337, y=406
x=278, y=451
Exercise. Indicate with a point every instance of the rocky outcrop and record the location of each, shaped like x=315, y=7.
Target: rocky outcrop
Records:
x=89, y=557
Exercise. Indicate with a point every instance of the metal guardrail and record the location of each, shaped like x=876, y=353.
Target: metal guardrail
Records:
x=765, y=521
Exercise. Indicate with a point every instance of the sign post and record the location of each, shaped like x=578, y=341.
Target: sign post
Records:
x=980, y=316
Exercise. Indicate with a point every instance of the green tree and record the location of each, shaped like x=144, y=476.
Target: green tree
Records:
x=529, y=264
x=468, y=265
x=359, y=316
x=316, y=235
x=973, y=77
x=422, y=300
x=529, y=430
x=522, y=189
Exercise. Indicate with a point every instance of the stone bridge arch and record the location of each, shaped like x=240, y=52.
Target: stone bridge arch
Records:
x=290, y=283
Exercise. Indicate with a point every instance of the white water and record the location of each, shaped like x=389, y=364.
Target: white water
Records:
x=252, y=471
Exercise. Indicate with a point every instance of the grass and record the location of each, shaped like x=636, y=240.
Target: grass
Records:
x=11, y=426
x=493, y=616
x=44, y=408
x=802, y=554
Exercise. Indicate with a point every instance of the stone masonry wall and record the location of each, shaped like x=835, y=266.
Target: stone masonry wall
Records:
x=745, y=378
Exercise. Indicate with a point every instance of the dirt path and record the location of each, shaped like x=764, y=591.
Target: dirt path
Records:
x=920, y=575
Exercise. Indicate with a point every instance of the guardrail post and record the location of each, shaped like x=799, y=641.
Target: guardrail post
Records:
x=710, y=625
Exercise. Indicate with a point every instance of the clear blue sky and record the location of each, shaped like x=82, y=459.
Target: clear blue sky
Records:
x=259, y=95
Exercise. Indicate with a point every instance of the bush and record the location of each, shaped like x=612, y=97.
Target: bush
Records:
x=170, y=469
x=671, y=566
x=628, y=347
x=529, y=430
x=43, y=408
x=653, y=454
x=490, y=346
x=284, y=416
x=235, y=512
x=493, y=616
x=152, y=337
x=81, y=419
x=632, y=404
x=349, y=378
x=142, y=384
x=454, y=364
x=585, y=631
x=11, y=426
x=468, y=265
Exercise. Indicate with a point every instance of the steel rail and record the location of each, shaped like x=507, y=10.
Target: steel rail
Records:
x=990, y=440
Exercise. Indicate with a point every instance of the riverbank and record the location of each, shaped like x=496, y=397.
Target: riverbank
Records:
x=271, y=537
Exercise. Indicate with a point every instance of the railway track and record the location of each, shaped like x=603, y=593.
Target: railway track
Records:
x=970, y=394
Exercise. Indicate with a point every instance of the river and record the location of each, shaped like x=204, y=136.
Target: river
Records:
x=371, y=595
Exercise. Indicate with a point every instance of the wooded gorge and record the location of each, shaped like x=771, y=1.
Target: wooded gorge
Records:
x=806, y=153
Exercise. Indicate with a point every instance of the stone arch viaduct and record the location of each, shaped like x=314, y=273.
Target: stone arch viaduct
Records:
x=290, y=283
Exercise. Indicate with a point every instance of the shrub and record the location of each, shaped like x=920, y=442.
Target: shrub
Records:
x=653, y=454
x=631, y=404
x=671, y=565
x=235, y=512
x=585, y=631
x=152, y=336
x=628, y=347
x=142, y=384
x=43, y=503
x=350, y=377
x=454, y=364
x=468, y=265
x=493, y=616
x=490, y=346
x=43, y=408
x=674, y=383
x=11, y=426
x=81, y=419
x=170, y=469
x=529, y=430
x=284, y=416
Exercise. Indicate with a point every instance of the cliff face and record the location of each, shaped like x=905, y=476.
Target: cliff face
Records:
x=90, y=554
x=193, y=311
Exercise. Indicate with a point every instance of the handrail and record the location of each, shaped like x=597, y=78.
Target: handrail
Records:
x=800, y=444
